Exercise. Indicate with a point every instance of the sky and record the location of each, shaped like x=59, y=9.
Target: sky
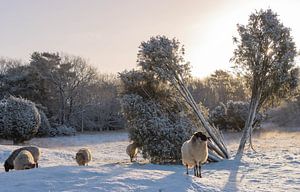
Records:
x=108, y=32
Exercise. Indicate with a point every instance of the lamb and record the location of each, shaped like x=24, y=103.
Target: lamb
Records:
x=35, y=151
x=83, y=157
x=195, y=152
x=132, y=151
x=24, y=160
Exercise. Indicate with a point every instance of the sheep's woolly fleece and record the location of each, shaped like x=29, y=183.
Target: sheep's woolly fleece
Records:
x=132, y=151
x=83, y=156
x=274, y=168
x=23, y=160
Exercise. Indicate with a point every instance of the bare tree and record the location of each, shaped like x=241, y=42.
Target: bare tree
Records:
x=265, y=56
x=67, y=75
x=7, y=64
x=80, y=75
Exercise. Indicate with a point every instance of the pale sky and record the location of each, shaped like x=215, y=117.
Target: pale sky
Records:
x=108, y=32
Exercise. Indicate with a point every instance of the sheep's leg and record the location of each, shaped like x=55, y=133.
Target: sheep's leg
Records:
x=200, y=171
x=196, y=170
x=187, y=169
x=36, y=165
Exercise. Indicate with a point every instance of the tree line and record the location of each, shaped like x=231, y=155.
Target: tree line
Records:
x=66, y=88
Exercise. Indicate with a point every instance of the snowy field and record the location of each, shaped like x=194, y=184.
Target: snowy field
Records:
x=275, y=167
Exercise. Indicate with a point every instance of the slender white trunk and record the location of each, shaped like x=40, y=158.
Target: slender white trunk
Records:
x=248, y=125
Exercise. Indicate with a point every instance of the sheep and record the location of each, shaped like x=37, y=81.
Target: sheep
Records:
x=35, y=151
x=83, y=157
x=132, y=150
x=24, y=160
x=195, y=152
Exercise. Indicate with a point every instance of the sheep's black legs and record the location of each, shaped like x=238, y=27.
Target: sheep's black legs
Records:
x=196, y=170
x=200, y=171
x=36, y=165
x=187, y=170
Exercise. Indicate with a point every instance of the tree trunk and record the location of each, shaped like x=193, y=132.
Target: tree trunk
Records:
x=216, y=139
x=216, y=136
x=249, y=123
x=213, y=133
x=70, y=110
x=81, y=117
x=62, y=109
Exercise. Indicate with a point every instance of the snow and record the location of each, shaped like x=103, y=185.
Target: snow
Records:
x=274, y=167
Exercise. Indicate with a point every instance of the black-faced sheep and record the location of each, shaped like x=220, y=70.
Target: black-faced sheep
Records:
x=35, y=151
x=195, y=152
x=24, y=160
x=132, y=151
x=83, y=157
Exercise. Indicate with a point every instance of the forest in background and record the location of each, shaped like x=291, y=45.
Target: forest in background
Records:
x=71, y=92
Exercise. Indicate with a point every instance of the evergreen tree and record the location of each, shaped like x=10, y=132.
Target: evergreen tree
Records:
x=265, y=56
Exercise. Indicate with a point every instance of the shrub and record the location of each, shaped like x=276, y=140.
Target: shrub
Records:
x=287, y=114
x=45, y=127
x=19, y=119
x=62, y=130
x=158, y=136
x=232, y=116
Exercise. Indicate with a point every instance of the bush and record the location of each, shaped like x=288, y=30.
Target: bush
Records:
x=62, y=130
x=159, y=137
x=233, y=116
x=45, y=127
x=19, y=119
x=286, y=115
x=48, y=130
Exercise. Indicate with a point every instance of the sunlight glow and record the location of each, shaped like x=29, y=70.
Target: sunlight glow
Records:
x=108, y=33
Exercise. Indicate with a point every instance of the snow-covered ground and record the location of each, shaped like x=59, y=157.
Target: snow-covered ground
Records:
x=275, y=167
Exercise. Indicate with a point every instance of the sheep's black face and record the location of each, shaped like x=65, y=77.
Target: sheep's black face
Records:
x=201, y=136
x=7, y=166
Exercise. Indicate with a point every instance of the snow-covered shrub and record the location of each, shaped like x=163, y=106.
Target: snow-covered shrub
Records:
x=45, y=127
x=158, y=136
x=19, y=119
x=217, y=116
x=62, y=130
x=203, y=109
x=287, y=114
x=232, y=116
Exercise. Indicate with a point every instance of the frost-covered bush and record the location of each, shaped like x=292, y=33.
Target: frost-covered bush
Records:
x=45, y=127
x=218, y=117
x=158, y=136
x=287, y=114
x=62, y=130
x=48, y=130
x=204, y=110
x=19, y=119
x=232, y=116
